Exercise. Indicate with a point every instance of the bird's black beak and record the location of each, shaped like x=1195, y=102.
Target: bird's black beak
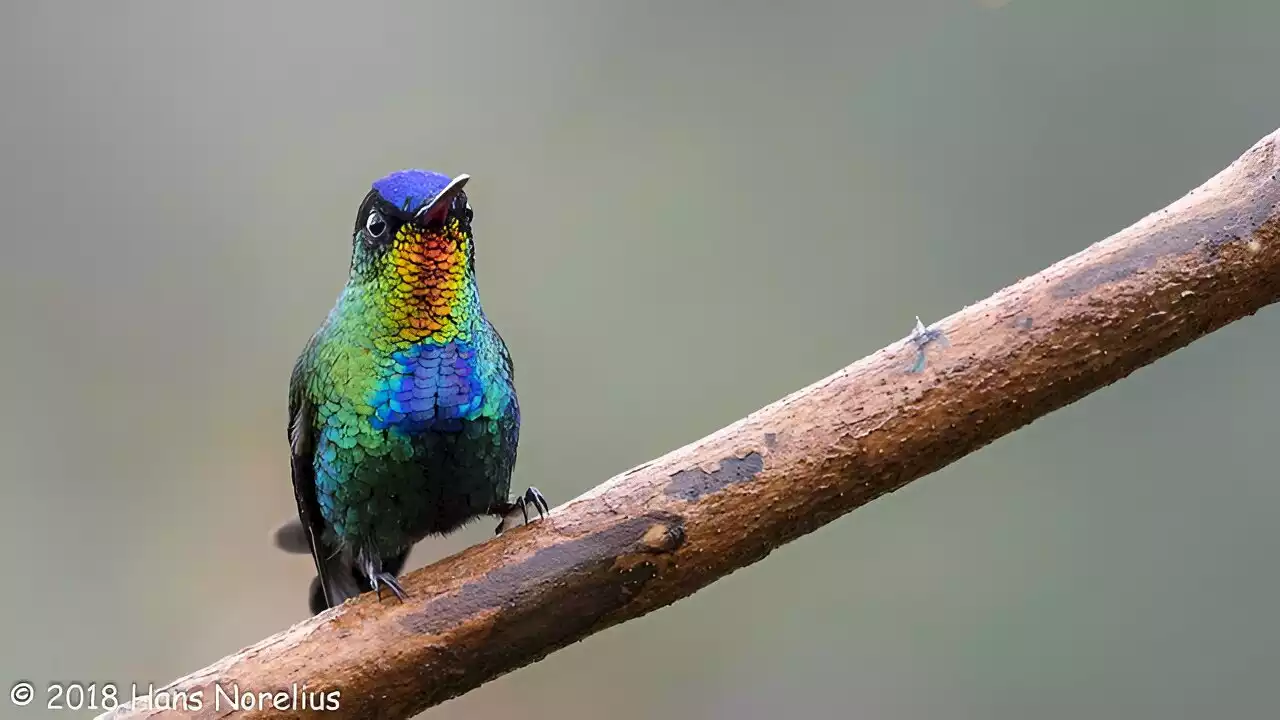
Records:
x=439, y=206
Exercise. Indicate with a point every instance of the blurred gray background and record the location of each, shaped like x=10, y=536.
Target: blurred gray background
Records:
x=685, y=211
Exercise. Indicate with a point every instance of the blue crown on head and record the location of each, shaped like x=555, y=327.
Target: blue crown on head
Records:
x=409, y=190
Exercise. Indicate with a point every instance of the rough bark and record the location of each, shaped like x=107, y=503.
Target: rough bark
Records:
x=661, y=531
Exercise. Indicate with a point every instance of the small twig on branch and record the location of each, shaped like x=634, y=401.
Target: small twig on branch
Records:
x=661, y=531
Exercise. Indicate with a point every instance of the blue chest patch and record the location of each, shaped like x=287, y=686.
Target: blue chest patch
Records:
x=431, y=387
x=411, y=189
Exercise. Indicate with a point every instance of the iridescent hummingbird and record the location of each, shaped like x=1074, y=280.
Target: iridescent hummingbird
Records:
x=403, y=417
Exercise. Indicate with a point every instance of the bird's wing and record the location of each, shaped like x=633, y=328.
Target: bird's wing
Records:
x=302, y=444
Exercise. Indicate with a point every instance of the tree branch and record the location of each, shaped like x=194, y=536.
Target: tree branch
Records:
x=661, y=531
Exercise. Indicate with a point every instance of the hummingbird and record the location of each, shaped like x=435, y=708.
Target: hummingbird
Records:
x=403, y=415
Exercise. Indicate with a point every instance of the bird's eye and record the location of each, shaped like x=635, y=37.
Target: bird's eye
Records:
x=374, y=225
x=466, y=212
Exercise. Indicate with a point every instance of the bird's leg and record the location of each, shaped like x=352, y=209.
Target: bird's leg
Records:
x=378, y=577
x=516, y=513
x=386, y=578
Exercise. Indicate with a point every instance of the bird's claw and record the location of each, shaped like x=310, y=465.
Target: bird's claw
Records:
x=519, y=510
x=386, y=578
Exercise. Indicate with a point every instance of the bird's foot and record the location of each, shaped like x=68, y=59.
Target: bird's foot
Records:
x=514, y=514
x=386, y=578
